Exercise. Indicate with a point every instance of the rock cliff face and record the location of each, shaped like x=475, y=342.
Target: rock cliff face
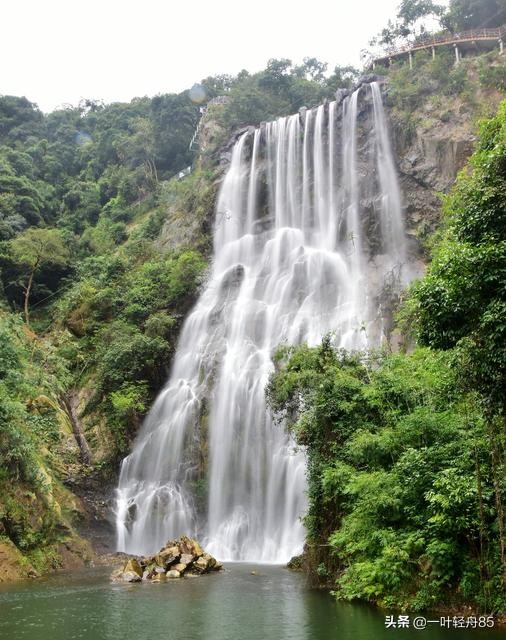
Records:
x=430, y=146
x=429, y=156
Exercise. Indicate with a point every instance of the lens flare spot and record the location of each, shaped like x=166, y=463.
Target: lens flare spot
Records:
x=198, y=94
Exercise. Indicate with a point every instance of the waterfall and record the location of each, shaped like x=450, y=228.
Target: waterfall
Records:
x=308, y=230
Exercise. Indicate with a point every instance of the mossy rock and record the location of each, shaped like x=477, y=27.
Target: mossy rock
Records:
x=133, y=565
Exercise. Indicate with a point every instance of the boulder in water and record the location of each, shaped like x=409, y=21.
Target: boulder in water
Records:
x=178, y=557
x=173, y=574
x=169, y=555
x=179, y=567
x=204, y=564
x=134, y=566
x=159, y=576
x=130, y=576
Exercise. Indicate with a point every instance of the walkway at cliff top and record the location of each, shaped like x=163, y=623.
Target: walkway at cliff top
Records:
x=466, y=41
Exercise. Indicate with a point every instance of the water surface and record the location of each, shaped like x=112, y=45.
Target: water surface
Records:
x=274, y=604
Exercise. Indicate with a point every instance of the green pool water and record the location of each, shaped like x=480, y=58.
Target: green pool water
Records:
x=274, y=604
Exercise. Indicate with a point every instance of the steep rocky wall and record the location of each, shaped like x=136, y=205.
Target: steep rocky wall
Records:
x=429, y=156
x=432, y=143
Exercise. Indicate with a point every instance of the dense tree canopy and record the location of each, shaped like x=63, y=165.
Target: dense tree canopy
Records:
x=474, y=14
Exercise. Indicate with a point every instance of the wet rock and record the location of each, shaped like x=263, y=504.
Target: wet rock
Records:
x=131, y=576
x=170, y=551
x=341, y=94
x=188, y=545
x=159, y=576
x=180, y=567
x=179, y=557
x=211, y=562
x=134, y=566
x=187, y=558
x=296, y=563
x=173, y=574
x=368, y=78
x=204, y=564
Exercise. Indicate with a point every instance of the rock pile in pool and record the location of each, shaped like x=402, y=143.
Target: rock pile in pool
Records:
x=176, y=559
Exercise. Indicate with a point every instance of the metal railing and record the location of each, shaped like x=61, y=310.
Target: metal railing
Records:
x=425, y=42
x=203, y=111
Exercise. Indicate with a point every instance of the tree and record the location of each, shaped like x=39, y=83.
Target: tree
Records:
x=19, y=118
x=276, y=77
x=138, y=148
x=311, y=69
x=34, y=249
x=343, y=77
x=410, y=11
x=411, y=15
x=473, y=14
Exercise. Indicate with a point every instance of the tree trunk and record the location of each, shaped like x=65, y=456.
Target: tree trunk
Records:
x=27, y=296
x=495, y=459
x=69, y=401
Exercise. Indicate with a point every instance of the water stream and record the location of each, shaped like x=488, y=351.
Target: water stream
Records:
x=308, y=234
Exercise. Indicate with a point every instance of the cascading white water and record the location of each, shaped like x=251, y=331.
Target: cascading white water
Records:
x=293, y=261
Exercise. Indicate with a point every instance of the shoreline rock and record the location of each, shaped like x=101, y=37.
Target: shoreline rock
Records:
x=176, y=559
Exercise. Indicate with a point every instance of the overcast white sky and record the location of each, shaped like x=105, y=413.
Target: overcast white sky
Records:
x=59, y=51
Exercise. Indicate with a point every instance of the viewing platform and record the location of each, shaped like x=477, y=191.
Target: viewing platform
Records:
x=475, y=41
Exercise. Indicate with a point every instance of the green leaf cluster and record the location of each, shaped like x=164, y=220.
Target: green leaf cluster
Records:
x=399, y=475
x=281, y=88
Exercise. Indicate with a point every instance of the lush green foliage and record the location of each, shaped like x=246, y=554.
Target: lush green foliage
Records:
x=71, y=163
x=84, y=195
x=462, y=301
x=474, y=14
x=280, y=89
x=124, y=313
x=466, y=86
x=31, y=379
x=400, y=481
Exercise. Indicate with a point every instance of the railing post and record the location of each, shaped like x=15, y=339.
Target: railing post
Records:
x=433, y=52
x=410, y=60
x=457, y=54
